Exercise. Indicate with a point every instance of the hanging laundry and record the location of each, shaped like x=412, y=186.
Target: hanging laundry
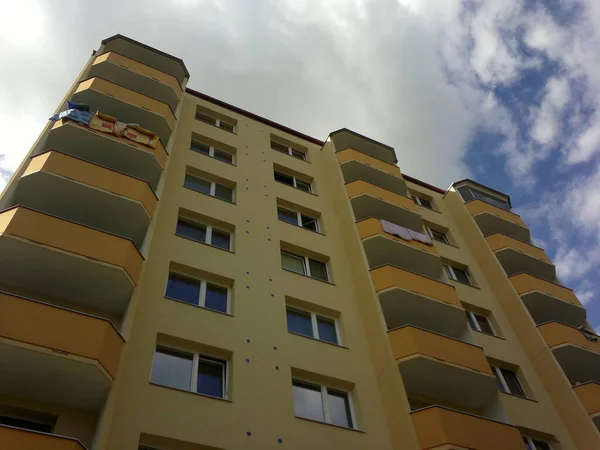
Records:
x=405, y=233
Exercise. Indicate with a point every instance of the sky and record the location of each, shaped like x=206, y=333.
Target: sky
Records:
x=503, y=92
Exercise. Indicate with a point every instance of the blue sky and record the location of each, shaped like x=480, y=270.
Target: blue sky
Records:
x=504, y=92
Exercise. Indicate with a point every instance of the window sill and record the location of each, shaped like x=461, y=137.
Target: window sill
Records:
x=204, y=243
x=330, y=424
x=445, y=243
x=318, y=340
x=212, y=157
x=310, y=278
x=295, y=188
x=302, y=228
x=286, y=154
x=198, y=306
x=191, y=392
x=218, y=128
x=208, y=195
x=464, y=284
x=428, y=209
x=519, y=396
x=488, y=334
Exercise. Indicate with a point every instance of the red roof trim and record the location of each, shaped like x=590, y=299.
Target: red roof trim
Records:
x=422, y=183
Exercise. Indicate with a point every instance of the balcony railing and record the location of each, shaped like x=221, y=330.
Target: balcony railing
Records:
x=519, y=257
x=20, y=439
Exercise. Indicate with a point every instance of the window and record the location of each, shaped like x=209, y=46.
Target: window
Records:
x=206, y=234
x=479, y=322
x=439, y=236
x=43, y=426
x=293, y=181
x=305, y=266
x=534, y=444
x=425, y=203
x=323, y=404
x=189, y=371
x=312, y=325
x=288, y=150
x=297, y=218
x=508, y=382
x=198, y=292
x=220, y=123
x=456, y=274
x=208, y=187
x=213, y=152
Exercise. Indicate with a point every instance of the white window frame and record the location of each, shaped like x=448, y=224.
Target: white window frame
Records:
x=315, y=324
x=212, y=189
x=430, y=233
x=217, y=121
x=208, y=234
x=417, y=200
x=452, y=275
x=196, y=357
x=476, y=323
x=290, y=150
x=306, y=263
x=295, y=180
x=472, y=190
x=531, y=443
x=325, y=402
x=503, y=382
x=202, y=294
x=299, y=218
x=211, y=152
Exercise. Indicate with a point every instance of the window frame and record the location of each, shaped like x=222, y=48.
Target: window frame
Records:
x=500, y=376
x=217, y=120
x=476, y=193
x=294, y=181
x=473, y=314
x=207, y=235
x=430, y=232
x=531, y=442
x=299, y=219
x=211, y=152
x=314, y=321
x=306, y=262
x=196, y=357
x=324, y=389
x=202, y=293
x=418, y=200
x=290, y=150
x=452, y=275
x=212, y=189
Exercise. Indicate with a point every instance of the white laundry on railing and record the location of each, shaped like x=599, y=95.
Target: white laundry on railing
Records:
x=405, y=233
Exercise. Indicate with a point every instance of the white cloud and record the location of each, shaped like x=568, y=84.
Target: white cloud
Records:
x=585, y=297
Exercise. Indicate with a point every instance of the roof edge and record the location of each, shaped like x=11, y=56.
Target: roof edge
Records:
x=424, y=184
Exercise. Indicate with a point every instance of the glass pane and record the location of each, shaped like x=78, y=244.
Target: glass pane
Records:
x=223, y=156
x=197, y=184
x=308, y=402
x=438, y=236
x=490, y=199
x=220, y=239
x=279, y=147
x=339, y=408
x=327, y=331
x=293, y=263
x=303, y=185
x=205, y=118
x=484, y=324
x=183, y=289
x=514, y=387
x=425, y=203
x=540, y=445
x=461, y=275
x=287, y=216
x=527, y=444
x=309, y=222
x=471, y=322
x=200, y=147
x=283, y=178
x=216, y=297
x=318, y=270
x=210, y=378
x=299, y=322
x=224, y=192
x=26, y=424
x=172, y=368
x=227, y=126
x=297, y=154
x=196, y=232
x=498, y=381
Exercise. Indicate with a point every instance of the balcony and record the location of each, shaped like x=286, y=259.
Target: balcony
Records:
x=344, y=138
x=137, y=77
x=383, y=249
x=443, y=428
x=442, y=368
x=68, y=187
x=350, y=154
x=578, y=356
x=112, y=152
x=55, y=258
x=146, y=55
x=127, y=106
x=410, y=299
x=21, y=439
x=355, y=170
x=519, y=257
x=56, y=355
x=589, y=395
x=369, y=200
x=547, y=301
x=492, y=219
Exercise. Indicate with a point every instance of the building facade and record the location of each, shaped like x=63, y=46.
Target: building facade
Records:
x=179, y=274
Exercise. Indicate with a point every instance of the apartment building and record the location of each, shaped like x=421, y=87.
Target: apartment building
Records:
x=180, y=274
